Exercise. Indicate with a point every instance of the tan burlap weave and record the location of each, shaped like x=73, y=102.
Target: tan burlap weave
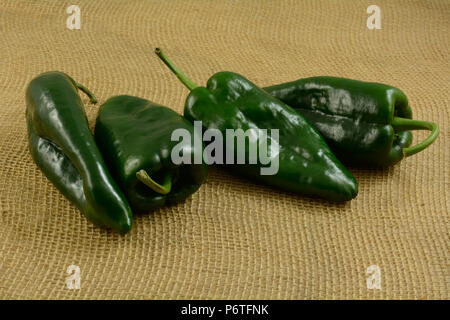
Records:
x=232, y=239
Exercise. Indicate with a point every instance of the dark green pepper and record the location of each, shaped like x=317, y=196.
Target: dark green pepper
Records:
x=306, y=164
x=63, y=147
x=135, y=137
x=364, y=123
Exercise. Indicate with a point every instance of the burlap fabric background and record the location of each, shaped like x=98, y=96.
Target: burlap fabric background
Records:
x=232, y=239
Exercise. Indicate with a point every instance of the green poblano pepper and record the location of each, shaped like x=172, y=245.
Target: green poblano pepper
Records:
x=63, y=147
x=306, y=164
x=135, y=137
x=364, y=123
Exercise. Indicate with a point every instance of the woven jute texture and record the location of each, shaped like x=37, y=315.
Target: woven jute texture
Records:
x=233, y=239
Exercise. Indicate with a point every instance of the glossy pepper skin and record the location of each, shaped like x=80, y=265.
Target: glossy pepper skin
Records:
x=306, y=164
x=364, y=123
x=134, y=135
x=62, y=145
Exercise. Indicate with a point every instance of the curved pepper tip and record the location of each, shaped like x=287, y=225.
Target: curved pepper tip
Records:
x=349, y=190
x=123, y=227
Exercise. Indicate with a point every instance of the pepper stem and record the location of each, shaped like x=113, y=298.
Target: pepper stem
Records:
x=165, y=188
x=91, y=96
x=403, y=124
x=183, y=78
